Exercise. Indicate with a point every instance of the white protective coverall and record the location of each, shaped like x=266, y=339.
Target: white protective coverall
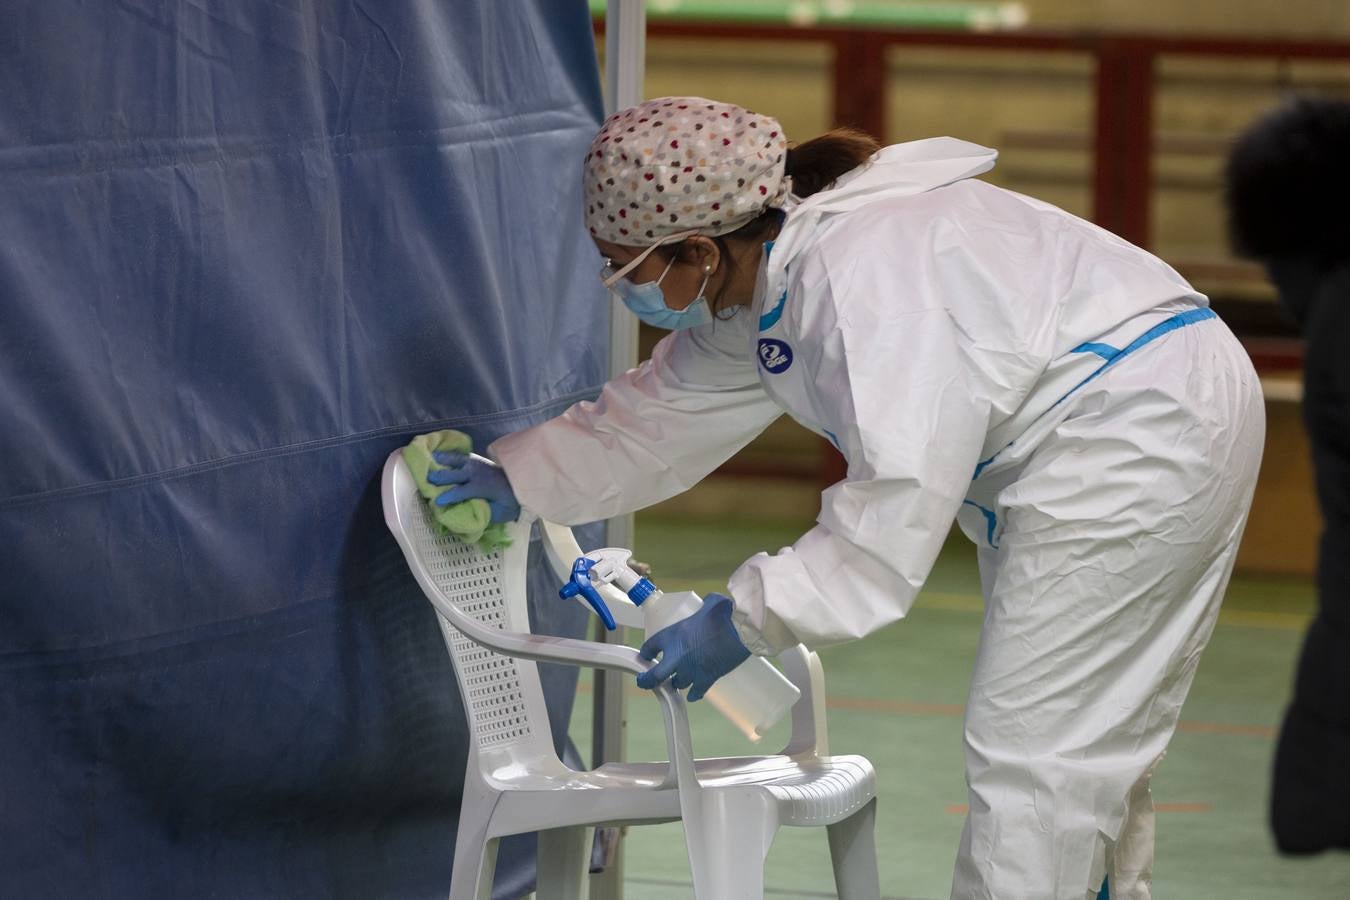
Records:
x=974, y=354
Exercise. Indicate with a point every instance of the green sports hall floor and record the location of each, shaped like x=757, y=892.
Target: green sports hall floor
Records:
x=897, y=698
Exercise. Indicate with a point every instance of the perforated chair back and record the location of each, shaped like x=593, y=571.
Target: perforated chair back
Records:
x=502, y=696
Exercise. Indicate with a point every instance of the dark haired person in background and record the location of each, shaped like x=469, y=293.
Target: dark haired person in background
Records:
x=1288, y=196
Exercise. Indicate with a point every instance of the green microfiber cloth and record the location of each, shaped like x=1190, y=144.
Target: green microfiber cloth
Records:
x=469, y=521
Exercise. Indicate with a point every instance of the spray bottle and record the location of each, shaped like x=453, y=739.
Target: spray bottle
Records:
x=754, y=695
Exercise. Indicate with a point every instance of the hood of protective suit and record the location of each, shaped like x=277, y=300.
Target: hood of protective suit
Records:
x=899, y=170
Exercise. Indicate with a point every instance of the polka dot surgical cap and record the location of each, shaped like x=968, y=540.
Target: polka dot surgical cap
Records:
x=679, y=165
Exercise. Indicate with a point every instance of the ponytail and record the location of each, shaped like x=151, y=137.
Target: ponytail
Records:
x=813, y=166
x=818, y=163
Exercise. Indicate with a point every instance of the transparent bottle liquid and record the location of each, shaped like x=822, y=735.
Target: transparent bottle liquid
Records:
x=754, y=696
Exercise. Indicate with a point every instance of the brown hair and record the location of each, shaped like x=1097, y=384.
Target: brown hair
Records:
x=813, y=166
x=818, y=163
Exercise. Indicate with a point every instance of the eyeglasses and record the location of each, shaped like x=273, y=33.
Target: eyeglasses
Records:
x=609, y=275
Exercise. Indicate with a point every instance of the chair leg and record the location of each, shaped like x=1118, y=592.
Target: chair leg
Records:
x=737, y=830
x=475, y=865
x=853, y=852
x=475, y=851
x=562, y=861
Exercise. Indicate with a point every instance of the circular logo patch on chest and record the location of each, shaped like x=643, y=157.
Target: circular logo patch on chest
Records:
x=774, y=356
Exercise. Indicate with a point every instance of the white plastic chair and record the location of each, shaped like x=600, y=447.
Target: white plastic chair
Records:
x=515, y=783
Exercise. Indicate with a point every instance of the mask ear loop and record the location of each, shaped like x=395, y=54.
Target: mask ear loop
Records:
x=662, y=277
x=707, y=274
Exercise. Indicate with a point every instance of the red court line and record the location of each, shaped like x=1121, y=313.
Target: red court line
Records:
x=956, y=710
x=960, y=809
x=1183, y=807
x=1263, y=731
x=898, y=707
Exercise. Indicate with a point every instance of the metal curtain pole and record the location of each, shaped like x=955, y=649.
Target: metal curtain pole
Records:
x=625, y=57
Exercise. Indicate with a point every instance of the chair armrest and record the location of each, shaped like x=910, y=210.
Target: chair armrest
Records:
x=679, y=740
x=544, y=648
x=684, y=778
x=679, y=748
x=810, y=735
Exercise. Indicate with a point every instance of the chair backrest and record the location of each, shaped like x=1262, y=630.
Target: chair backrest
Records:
x=502, y=695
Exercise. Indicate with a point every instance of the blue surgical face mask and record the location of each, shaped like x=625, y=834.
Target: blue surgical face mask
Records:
x=648, y=302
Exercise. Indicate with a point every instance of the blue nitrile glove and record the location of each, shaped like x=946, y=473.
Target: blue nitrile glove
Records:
x=473, y=477
x=695, y=651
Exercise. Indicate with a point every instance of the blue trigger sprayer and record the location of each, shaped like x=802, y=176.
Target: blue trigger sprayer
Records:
x=754, y=695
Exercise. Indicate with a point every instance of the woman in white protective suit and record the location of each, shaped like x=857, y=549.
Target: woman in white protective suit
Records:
x=975, y=355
